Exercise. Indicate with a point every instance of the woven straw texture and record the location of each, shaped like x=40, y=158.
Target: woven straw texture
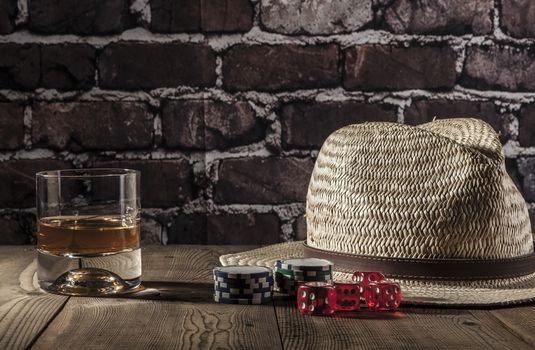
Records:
x=438, y=190
x=435, y=191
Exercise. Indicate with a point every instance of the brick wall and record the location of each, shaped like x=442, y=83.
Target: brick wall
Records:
x=223, y=104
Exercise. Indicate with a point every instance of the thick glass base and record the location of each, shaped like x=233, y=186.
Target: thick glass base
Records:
x=89, y=275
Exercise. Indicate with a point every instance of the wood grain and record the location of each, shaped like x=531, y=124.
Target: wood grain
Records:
x=24, y=310
x=521, y=320
x=193, y=322
x=407, y=329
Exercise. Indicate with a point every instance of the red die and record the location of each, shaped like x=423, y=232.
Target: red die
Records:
x=316, y=298
x=364, y=278
x=383, y=295
x=347, y=296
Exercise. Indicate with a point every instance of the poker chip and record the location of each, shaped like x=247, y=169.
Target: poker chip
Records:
x=304, y=264
x=244, y=296
x=291, y=273
x=313, y=273
x=254, y=286
x=243, y=284
x=240, y=281
x=220, y=300
x=242, y=272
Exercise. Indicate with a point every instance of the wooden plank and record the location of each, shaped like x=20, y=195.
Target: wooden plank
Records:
x=409, y=328
x=24, y=310
x=520, y=320
x=193, y=322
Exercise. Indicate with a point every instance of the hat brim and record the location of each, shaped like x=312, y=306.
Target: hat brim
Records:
x=458, y=293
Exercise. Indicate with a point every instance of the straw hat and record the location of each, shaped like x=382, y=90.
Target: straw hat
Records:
x=431, y=205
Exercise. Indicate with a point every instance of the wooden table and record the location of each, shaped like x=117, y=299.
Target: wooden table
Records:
x=30, y=318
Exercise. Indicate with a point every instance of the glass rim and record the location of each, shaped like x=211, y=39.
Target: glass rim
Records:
x=87, y=173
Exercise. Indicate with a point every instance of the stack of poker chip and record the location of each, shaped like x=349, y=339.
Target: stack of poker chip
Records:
x=291, y=273
x=243, y=285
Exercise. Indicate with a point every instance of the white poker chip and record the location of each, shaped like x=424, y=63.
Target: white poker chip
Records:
x=243, y=272
x=305, y=264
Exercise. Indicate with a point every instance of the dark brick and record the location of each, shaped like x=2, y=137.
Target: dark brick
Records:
x=164, y=183
x=226, y=15
x=526, y=126
x=440, y=17
x=171, y=16
x=499, y=68
x=280, y=67
x=151, y=231
x=174, y=16
x=315, y=17
x=85, y=17
x=11, y=126
x=209, y=124
x=512, y=169
x=307, y=124
x=12, y=231
x=187, y=229
x=263, y=180
x=17, y=180
x=300, y=228
x=376, y=67
x=423, y=111
x=517, y=18
x=92, y=125
x=8, y=13
x=526, y=168
x=19, y=66
x=532, y=218
x=134, y=66
x=68, y=67
x=243, y=229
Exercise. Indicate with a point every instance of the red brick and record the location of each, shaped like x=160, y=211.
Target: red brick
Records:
x=11, y=126
x=517, y=18
x=204, y=124
x=307, y=124
x=526, y=126
x=134, y=66
x=423, y=111
x=17, y=180
x=243, y=229
x=263, y=180
x=456, y=17
x=92, y=125
x=8, y=13
x=226, y=15
x=280, y=67
x=499, y=68
x=68, y=67
x=19, y=66
x=85, y=17
x=375, y=67
x=164, y=183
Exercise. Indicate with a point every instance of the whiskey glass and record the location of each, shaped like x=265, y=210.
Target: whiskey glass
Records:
x=88, y=231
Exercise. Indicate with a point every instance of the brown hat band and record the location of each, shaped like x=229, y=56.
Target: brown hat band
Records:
x=445, y=269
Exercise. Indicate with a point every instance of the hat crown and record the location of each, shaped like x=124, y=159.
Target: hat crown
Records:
x=438, y=190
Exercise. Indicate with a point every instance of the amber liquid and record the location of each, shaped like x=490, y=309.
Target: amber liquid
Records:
x=87, y=235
